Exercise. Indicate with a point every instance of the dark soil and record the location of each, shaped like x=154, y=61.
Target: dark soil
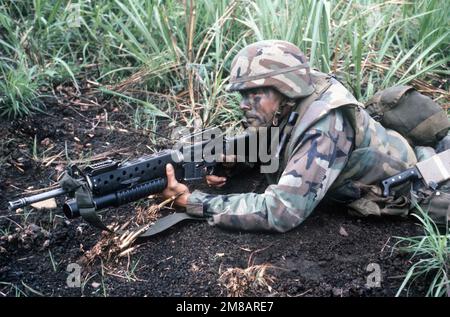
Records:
x=328, y=255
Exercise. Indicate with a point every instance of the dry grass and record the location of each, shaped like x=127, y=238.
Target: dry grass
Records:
x=120, y=241
x=241, y=282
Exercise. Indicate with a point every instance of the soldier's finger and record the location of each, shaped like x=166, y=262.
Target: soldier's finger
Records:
x=213, y=179
x=170, y=172
x=216, y=184
x=220, y=185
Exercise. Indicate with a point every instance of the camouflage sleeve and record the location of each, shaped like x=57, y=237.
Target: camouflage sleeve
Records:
x=311, y=170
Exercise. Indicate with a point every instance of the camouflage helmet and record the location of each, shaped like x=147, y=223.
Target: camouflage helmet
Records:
x=273, y=63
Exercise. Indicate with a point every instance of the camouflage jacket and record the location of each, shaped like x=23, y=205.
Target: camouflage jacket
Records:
x=335, y=147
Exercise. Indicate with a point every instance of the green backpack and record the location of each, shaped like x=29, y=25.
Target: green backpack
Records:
x=415, y=116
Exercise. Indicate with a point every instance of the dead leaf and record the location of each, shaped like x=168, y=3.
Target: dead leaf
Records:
x=60, y=168
x=45, y=204
x=337, y=291
x=194, y=268
x=343, y=232
x=45, y=142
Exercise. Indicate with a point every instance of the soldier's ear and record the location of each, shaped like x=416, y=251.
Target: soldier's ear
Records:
x=286, y=105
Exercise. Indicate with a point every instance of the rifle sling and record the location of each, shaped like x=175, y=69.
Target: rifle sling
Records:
x=87, y=208
x=84, y=200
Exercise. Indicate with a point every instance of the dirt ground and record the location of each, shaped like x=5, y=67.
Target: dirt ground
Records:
x=331, y=254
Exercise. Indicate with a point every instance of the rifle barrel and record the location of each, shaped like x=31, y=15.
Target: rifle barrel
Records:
x=22, y=202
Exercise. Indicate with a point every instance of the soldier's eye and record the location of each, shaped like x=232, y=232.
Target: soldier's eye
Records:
x=244, y=94
x=250, y=92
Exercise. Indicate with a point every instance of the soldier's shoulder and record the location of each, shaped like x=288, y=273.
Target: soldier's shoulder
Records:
x=326, y=111
x=337, y=95
x=329, y=121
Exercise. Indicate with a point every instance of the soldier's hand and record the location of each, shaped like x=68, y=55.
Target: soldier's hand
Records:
x=228, y=162
x=215, y=181
x=174, y=188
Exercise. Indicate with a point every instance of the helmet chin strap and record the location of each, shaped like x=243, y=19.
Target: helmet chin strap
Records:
x=279, y=113
x=276, y=118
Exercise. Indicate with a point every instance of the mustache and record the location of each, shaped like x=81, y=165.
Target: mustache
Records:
x=251, y=116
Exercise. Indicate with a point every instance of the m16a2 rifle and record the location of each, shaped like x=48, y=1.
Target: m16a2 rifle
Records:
x=111, y=184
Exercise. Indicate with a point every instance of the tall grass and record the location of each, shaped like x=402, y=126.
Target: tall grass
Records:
x=431, y=256
x=184, y=48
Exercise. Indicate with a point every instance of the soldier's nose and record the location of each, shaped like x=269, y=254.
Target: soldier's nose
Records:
x=244, y=105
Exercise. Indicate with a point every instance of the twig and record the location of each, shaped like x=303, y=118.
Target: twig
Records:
x=126, y=278
x=15, y=223
x=35, y=190
x=250, y=262
x=384, y=246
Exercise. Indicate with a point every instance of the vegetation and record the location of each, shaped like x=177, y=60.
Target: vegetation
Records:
x=432, y=253
x=175, y=55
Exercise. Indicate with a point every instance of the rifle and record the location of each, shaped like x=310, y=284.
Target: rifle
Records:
x=111, y=184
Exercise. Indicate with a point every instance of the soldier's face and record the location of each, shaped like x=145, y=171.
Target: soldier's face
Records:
x=259, y=106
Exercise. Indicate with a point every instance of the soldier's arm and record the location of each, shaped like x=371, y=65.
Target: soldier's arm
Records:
x=310, y=172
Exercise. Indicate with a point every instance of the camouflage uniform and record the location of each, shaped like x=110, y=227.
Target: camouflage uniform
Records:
x=335, y=147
